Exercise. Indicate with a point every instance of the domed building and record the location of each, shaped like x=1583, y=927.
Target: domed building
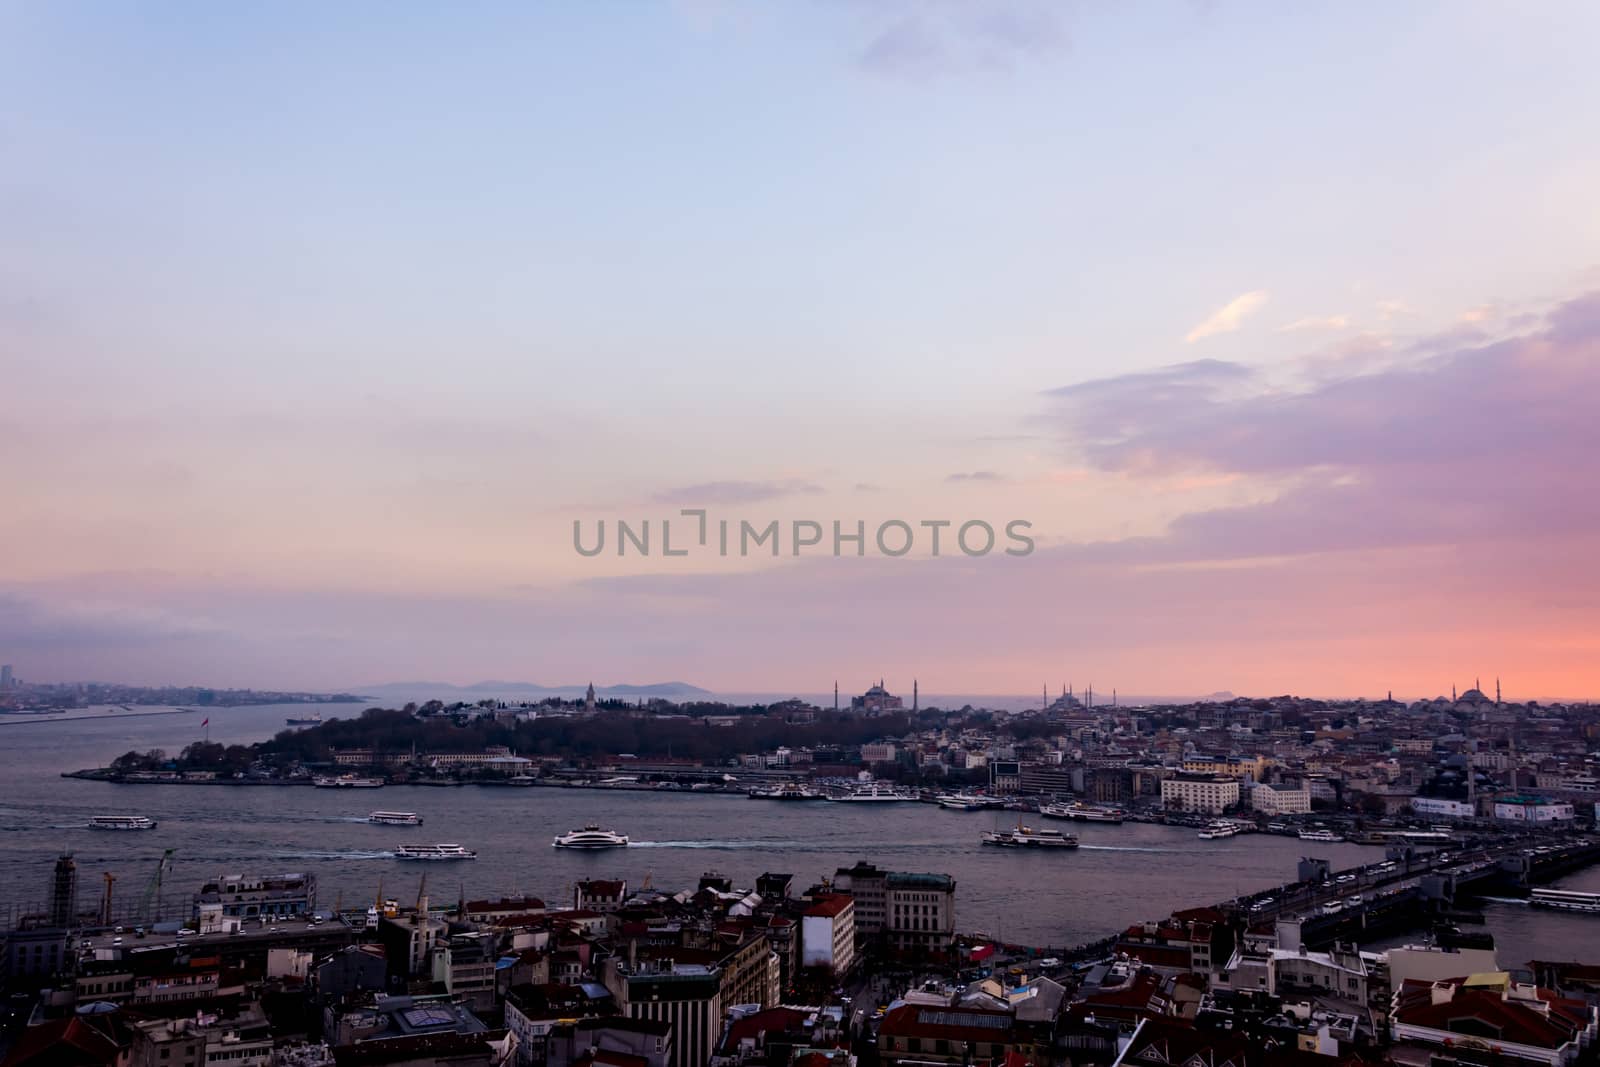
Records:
x=876, y=699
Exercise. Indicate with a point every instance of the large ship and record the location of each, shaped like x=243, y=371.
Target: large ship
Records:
x=121, y=822
x=1081, y=813
x=592, y=836
x=787, y=791
x=346, y=781
x=434, y=852
x=1219, y=829
x=304, y=720
x=872, y=793
x=1028, y=837
x=1566, y=900
x=395, y=818
x=1324, y=836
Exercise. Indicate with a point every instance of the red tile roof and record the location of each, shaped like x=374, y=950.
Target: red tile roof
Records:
x=829, y=907
x=1492, y=1014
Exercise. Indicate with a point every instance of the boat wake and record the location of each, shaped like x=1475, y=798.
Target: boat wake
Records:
x=1140, y=848
x=771, y=846
x=333, y=854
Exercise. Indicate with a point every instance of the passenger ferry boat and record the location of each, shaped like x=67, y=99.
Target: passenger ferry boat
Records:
x=121, y=822
x=347, y=781
x=1219, y=829
x=1565, y=900
x=1028, y=837
x=434, y=852
x=962, y=802
x=872, y=793
x=591, y=836
x=787, y=791
x=1081, y=813
x=1327, y=837
x=395, y=818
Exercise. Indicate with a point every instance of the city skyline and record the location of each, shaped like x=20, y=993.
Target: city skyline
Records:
x=1281, y=328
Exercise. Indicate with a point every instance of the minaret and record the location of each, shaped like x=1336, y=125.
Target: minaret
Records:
x=1044, y=698
x=835, y=694
x=1113, y=696
x=913, y=695
x=1497, y=691
x=588, y=698
x=1452, y=694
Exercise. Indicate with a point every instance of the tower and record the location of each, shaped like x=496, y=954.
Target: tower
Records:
x=913, y=696
x=836, y=694
x=64, y=892
x=1497, y=691
x=588, y=698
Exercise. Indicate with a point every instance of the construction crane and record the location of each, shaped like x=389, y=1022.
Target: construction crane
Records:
x=105, y=901
x=152, y=891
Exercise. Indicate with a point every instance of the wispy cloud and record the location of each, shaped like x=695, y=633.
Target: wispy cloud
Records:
x=1229, y=317
x=735, y=492
x=930, y=38
x=975, y=476
x=1316, y=322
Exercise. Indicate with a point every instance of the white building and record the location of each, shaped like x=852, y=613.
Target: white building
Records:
x=1281, y=799
x=1533, y=809
x=1441, y=808
x=1199, y=793
x=828, y=934
x=878, y=752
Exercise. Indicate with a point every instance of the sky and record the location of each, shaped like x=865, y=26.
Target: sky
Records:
x=321, y=327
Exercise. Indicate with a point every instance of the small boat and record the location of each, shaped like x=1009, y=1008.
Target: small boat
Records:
x=395, y=818
x=1219, y=829
x=121, y=822
x=872, y=793
x=1324, y=836
x=346, y=781
x=434, y=852
x=304, y=720
x=592, y=836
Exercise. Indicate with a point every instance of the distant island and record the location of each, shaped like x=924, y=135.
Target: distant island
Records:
x=21, y=696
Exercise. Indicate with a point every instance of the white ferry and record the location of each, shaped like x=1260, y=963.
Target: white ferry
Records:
x=1565, y=900
x=591, y=836
x=788, y=791
x=1218, y=830
x=872, y=793
x=1028, y=837
x=347, y=781
x=395, y=818
x=1326, y=837
x=962, y=802
x=121, y=822
x=434, y=852
x=1081, y=813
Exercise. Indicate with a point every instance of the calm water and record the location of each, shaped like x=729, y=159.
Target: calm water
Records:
x=1121, y=875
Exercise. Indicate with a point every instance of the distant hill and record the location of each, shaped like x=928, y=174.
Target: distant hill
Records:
x=504, y=690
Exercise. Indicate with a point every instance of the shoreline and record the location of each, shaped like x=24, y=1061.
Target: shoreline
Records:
x=34, y=718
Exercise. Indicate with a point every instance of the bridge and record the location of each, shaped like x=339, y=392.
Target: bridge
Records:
x=1408, y=888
